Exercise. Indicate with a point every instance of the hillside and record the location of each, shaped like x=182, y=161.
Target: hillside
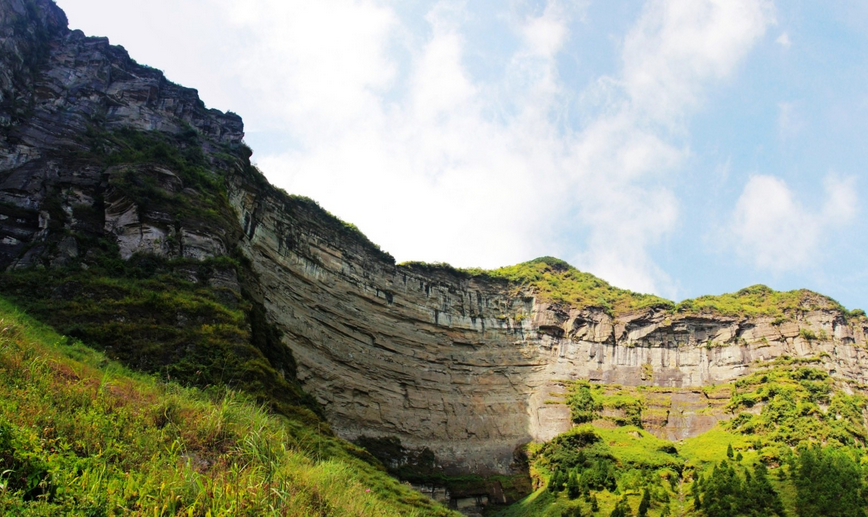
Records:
x=83, y=435
x=796, y=445
x=133, y=222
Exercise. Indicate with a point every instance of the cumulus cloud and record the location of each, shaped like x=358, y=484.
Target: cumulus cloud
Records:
x=784, y=40
x=375, y=112
x=776, y=231
x=679, y=45
x=675, y=50
x=440, y=172
x=311, y=67
x=387, y=126
x=435, y=164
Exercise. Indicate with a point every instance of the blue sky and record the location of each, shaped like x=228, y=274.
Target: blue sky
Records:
x=681, y=147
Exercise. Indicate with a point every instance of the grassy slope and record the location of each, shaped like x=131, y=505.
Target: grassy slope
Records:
x=80, y=434
x=800, y=406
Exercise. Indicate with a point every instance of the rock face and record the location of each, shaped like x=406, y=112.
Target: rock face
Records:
x=464, y=365
x=446, y=361
x=58, y=87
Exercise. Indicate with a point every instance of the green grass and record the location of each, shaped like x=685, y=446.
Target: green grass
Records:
x=554, y=280
x=759, y=300
x=637, y=448
x=163, y=316
x=800, y=406
x=82, y=435
x=710, y=447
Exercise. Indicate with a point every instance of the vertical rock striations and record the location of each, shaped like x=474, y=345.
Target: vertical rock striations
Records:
x=96, y=148
x=468, y=365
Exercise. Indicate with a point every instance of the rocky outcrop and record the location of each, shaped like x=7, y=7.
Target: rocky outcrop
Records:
x=60, y=92
x=465, y=365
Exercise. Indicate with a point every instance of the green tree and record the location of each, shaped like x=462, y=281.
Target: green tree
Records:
x=622, y=509
x=583, y=406
x=573, y=490
x=575, y=511
x=644, y=504
x=556, y=482
x=720, y=492
x=829, y=483
x=760, y=497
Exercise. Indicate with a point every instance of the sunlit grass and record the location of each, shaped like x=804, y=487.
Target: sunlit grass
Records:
x=83, y=435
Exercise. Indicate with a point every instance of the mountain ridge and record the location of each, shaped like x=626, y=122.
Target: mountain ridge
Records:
x=131, y=218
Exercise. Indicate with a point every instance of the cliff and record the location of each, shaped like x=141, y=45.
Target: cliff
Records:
x=468, y=365
x=103, y=157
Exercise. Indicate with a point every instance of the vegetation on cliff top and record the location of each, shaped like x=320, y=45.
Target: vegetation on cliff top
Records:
x=81, y=435
x=560, y=282
x=349, y=230
x=557, y=281
x=759, y=300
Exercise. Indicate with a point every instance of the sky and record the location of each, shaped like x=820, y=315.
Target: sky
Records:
x=677, y=147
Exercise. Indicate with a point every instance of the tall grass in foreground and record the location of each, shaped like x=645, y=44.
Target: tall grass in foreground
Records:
x=80, y=435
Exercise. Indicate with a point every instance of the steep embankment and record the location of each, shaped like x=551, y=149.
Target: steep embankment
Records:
x=81, y=435
x=151, y=224
x=115, y=223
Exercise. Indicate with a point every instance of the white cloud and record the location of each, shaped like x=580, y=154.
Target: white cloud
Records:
x=312, y=67
x=445, y=172
x=432, y=175
x=387, y=126
x=676, y=49
x=784, y=40
x=440, y=84
x=776, y=231
x=545, y=35
x=679, y=45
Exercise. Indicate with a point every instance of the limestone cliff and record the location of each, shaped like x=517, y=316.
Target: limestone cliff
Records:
x=467, y=364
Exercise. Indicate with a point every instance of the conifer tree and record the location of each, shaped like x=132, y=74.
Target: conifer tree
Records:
x=622, y=509
x=644, y=504
x=829, y=482
x=556, y=481
x=573, y=490
x=760, y=497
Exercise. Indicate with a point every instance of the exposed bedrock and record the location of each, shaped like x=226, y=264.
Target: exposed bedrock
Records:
x=468, y=365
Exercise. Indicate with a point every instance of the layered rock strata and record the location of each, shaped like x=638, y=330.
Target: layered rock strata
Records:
x=464, y=365
x=468, y=366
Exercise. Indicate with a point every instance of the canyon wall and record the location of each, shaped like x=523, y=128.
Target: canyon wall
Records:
x=469, y=366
